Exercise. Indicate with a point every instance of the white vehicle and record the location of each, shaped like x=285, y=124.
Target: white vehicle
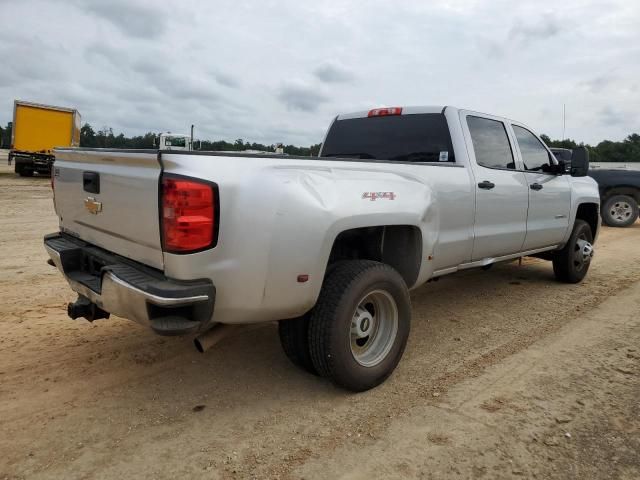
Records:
x=329, y=246
x=175, y=141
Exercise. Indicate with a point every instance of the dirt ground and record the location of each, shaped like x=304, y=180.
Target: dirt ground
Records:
x=508, y=374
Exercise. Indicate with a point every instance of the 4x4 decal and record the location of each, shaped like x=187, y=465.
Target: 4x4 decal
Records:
x=373, y=196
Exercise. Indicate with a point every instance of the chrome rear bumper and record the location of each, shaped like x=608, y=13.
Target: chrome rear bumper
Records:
x=130, y=290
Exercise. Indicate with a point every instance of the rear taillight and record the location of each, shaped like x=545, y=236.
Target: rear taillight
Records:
x=189, y=215
x=385, y=112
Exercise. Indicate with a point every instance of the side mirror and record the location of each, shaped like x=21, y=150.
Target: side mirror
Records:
x=579, y=162
x=556, y=165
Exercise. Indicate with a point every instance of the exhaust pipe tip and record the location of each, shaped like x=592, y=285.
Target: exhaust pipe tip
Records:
x=208, y=339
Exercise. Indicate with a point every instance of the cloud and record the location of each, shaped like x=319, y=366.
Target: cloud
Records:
x=521, y=34
x=23, y=51
x=543, y=28
x=8, y=78
x=598, y=84
x=281, y=74
x=227, y=80
x=148, y=66
x=97, y=50
x=146, y=21
x=331, y=72
x=613, y=116
x=176, y=86
x=297, y=95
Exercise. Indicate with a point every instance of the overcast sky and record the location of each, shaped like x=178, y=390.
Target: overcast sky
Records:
x=271, y=71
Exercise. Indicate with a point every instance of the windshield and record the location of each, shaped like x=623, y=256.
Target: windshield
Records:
x=404, y=138
x=175, y=142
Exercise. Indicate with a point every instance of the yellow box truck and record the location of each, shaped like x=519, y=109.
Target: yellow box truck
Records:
x=37, y=130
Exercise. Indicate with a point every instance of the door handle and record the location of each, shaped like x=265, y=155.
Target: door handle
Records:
x=535, y=186
x=486, y=185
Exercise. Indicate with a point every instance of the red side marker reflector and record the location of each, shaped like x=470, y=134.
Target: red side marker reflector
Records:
x=385, y=112
x=303, y=278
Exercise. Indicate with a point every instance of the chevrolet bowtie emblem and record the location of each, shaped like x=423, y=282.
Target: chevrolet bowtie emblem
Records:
x=92, y=205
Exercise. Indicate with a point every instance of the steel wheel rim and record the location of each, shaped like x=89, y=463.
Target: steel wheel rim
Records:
x=582, y=252
x=620, y=211
x=374, y=327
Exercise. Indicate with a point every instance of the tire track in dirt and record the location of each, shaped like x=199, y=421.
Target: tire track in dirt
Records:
x=417, y=393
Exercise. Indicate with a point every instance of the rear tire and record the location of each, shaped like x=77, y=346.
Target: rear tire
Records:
x=620, y=211
x=294, y=338
x=359, y=327
x=571, y=264
x=24, y=172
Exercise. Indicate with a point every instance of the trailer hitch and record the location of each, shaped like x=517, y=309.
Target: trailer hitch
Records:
x=83, y=307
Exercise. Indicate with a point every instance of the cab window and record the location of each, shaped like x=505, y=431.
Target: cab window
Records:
x=536, y=158
x=490, y=143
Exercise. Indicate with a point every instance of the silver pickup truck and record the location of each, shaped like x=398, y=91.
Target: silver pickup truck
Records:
x=200, y=242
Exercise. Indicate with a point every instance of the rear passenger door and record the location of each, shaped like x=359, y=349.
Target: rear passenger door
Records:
x=549, y=194
x=501, y=189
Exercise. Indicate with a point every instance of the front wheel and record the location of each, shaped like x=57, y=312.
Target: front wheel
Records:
x=571, y=264
x=359, y=327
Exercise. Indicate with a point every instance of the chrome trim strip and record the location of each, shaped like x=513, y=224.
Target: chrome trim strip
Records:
x=156, y=299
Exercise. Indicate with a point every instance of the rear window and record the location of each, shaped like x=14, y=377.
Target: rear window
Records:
x=403, y=138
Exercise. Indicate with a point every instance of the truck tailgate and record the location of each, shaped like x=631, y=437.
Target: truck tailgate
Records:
x=110, y=199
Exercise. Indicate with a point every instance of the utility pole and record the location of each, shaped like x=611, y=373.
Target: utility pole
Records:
x=564, y=120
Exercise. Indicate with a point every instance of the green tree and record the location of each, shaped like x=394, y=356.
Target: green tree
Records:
x=5, y=135
x=87, y=136
x=606, y=151
x=238, y=145
x=314, y=150
x=106, y=138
